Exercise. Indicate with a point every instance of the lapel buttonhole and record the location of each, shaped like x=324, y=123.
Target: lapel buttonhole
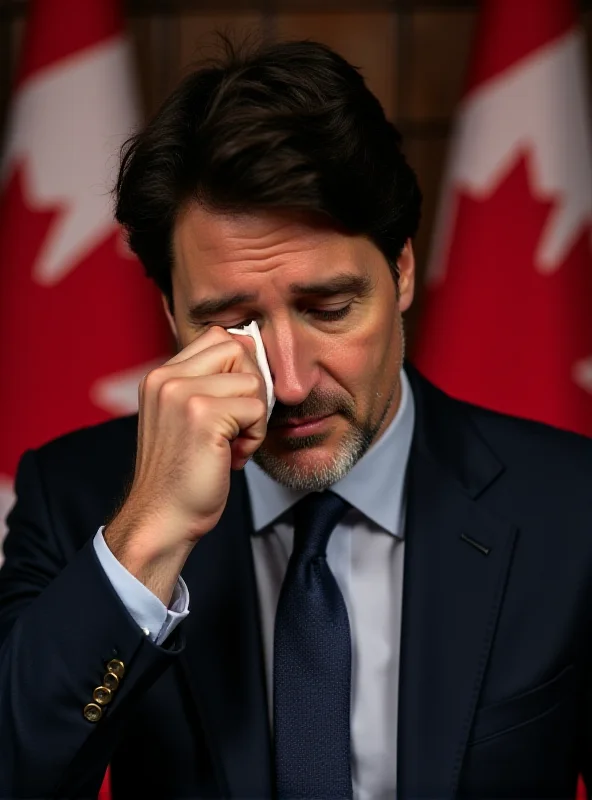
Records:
x=483, y=549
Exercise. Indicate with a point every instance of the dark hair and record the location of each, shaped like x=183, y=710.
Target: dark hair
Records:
x=290, y=125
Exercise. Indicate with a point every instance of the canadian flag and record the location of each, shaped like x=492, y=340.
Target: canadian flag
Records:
x=508, y=309
x=79, y=322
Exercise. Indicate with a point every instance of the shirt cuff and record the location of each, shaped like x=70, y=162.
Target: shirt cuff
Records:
x=153, y=617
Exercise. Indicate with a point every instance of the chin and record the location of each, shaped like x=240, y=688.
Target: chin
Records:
x=311, y=467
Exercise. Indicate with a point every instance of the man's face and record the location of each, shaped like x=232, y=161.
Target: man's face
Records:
x=330, y=320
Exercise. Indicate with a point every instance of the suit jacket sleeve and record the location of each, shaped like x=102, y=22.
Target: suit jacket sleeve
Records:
x=61, y=622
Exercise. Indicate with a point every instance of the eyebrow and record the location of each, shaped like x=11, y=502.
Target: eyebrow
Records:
x=216, y=305
x=342, y=283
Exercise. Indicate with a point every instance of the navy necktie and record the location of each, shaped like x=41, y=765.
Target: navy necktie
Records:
x=312, y=664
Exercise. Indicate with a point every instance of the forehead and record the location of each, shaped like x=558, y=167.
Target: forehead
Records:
x=209, y=246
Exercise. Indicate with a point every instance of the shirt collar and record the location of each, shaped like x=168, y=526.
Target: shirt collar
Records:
x=374, y=485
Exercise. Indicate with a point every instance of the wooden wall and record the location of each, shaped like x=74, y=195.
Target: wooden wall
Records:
x=413, y=54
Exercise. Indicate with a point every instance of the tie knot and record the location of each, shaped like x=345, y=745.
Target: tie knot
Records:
x=315, y=517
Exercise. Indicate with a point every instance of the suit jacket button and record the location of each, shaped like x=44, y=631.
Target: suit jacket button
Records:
x=111, y=681
x=92, y=712
x=102, y=695
x=116, y=667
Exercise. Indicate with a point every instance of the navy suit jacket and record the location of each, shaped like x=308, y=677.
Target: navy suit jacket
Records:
x=495, y=679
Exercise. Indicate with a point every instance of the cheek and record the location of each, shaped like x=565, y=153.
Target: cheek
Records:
x=186, y=334
x=184, y=338
x=366, y=360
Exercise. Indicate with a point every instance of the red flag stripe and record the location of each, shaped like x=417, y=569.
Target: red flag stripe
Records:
x=523, y=27
x=61, y=28
x=105, y=792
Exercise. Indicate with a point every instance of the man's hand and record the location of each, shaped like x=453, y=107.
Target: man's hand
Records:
x=202, y=414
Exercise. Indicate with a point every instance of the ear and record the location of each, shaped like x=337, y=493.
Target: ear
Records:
x=169, y=316
x=406, y=264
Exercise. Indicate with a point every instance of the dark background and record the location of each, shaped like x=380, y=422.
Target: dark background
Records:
x=413, y=54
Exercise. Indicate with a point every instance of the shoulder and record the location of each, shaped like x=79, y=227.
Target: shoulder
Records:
x=510, y=432
x=547, y=468
x=97, y=444
x=75, y=482
x=519, y=444
x=532, y=441
x=95, y=440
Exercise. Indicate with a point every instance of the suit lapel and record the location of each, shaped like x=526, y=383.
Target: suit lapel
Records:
x=457, y=556
x=224, y=654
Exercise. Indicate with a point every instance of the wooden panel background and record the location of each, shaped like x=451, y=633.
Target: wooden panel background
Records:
x=413, y=54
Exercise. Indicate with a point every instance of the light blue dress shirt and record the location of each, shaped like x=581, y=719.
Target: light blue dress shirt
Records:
x=366, y=555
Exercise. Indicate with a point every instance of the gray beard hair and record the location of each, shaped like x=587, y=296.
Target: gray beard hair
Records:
x=356, y=443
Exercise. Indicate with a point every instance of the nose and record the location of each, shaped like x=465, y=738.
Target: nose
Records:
x=292, y=363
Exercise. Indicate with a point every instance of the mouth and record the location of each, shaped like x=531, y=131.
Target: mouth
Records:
x=303, y=427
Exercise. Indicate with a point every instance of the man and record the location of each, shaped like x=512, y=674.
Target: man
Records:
x=390, y=590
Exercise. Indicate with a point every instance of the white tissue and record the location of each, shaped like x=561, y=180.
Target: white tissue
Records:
x=252, y=330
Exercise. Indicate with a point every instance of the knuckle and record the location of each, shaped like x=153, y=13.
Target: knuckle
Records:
x=152, y=380
x=260, y=407
x=236, y=349
x=169, y=389
x=253, y=382
x=218, y=334
x=197, y=407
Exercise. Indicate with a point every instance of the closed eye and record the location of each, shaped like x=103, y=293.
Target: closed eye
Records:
x=330, y=316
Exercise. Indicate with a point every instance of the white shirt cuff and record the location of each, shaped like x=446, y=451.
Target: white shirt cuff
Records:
x=154, y=618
